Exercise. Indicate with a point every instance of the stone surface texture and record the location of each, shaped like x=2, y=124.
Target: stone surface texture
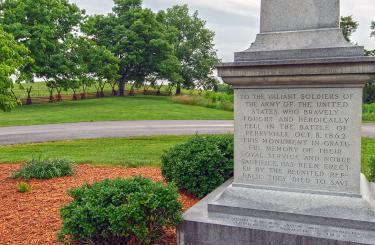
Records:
x=201, y=227
x=297, y=138
x=295, y=15
x=295, y=29
x=298, y=96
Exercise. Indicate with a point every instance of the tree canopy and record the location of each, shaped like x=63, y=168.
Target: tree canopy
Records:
x=137, y=38
x=94, y=64
x=348, y=26
x=13, y=57
x=193, y=45
x=132, y=44
x=42, y=26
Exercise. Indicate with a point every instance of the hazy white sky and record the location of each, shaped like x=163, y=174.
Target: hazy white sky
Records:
x=236, y=22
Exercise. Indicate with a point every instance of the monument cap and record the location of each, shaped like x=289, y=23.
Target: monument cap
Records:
x=299, y=29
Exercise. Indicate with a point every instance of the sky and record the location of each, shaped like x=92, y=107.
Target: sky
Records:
x=236, y=22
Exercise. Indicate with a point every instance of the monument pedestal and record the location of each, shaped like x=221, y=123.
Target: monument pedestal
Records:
x=297, y=162
x=297, y=158
x=228, y=223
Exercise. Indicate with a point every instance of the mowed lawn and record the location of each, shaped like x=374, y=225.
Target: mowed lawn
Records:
x=110, y=109
x=128, y=152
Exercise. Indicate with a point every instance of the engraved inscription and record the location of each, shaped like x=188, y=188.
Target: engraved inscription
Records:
x=299, y=138
x=290, y=227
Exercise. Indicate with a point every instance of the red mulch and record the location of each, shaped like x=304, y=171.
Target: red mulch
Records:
x=33, y=218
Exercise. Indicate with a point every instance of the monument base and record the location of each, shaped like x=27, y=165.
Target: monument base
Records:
x=212, y=221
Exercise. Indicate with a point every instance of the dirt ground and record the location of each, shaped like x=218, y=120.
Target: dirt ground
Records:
x=33, y=218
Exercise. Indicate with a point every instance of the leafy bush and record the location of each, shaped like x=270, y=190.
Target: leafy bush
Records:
x=39, y=168
x=225, y=88
x=23, y=187
x=200, y=165
x=120, y=211
x=372, y=169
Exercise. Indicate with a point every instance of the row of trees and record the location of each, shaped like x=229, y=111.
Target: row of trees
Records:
x=56, y=41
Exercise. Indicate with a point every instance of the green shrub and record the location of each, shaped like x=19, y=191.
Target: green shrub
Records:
x=372, y=169
x=23, y=187
x=214, y=100
x=39, y=168
x=200, y=165
x=225, y=88
x=120, y=211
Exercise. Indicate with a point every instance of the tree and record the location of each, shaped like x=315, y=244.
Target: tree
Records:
x=136, y=37
x=371, y=52
x=13, y=57
x=348, y=26
x=94, y=64
x=42, y=26
x=193, y=43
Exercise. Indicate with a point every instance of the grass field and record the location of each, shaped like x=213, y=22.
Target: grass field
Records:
x=110, y=109
x=133, y=152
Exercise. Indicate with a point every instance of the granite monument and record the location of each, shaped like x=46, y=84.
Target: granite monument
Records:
x=298, y=104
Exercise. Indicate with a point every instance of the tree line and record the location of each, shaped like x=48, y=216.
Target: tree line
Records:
x=55, y=41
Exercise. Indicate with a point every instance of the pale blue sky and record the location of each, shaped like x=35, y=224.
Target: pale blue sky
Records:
x=236, y=22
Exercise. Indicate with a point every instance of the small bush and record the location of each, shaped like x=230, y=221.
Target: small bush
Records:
x=225, y=88
x=120, y=211
x=23, y=187
x=200, y=165
x=39, y=168
x=372, y=169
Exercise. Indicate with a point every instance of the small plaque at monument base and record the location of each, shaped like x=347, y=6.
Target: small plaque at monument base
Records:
x=297, y=228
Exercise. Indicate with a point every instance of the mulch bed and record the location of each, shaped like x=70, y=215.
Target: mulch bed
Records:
x=33, y=218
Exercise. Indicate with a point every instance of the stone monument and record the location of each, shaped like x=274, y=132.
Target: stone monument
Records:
x=298, y=104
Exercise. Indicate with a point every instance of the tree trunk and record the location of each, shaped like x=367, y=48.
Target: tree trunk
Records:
x=83, y=95
x=75, y=97
x=145, y=90
x=59, y=97
x=97, y=95
x=170, y=90
x=29, y=101
x=51, y=98
x=178, y=89
x=121, y=87
x=131, y=91
x=114, y=92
